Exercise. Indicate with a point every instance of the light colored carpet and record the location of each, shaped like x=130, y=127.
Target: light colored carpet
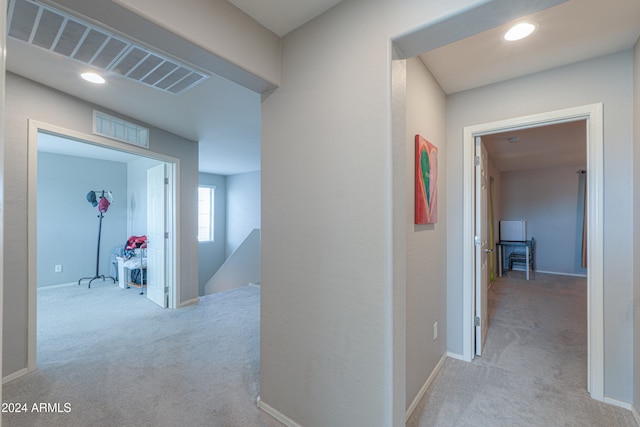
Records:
x=135, y=364
x=119, y=360
x=534, y=368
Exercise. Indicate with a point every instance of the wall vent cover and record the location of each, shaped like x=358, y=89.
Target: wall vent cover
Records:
x=121, y=130
x=50, y=29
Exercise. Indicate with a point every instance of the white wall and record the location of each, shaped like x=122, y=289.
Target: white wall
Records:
x=426, y=244
x=608, y=80
x=28, y=100
x=68, y=223
x=551, y=201
x=243, y=208
x=211, y=255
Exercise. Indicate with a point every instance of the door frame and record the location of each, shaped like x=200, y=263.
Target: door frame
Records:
x=593, y=114
x=172, y=263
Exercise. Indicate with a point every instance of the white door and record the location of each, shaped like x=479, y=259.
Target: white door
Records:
x=156, y=229
x=482, y=246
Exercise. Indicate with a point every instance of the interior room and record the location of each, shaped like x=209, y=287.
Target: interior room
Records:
x=238, y=193
x=539, y=177
x=64, y=261
x=362, y=314
x=66, y=254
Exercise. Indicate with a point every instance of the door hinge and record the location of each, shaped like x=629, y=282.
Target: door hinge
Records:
x=476, y=240
x=477, y=321
x=477, y=160
x=166, y=180
x=166, y=234
x=166, y=289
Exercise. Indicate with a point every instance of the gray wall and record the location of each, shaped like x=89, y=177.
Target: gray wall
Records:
x=636, y=225
x=28, y=100
x=243, y=208
x=211, y=255
x=426, y=244
x=332, y=339
x=237, y=214
x=240, y=269
x=608, y=80
x=551, y=200
x=68, y=223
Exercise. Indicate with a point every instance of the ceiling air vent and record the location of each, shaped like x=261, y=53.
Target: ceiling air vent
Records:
x=52, y=30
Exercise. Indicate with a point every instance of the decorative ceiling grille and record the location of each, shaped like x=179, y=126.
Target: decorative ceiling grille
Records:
x=52, y=30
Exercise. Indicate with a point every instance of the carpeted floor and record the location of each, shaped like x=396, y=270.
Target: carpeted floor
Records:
x=534, y=368
x=135, y=364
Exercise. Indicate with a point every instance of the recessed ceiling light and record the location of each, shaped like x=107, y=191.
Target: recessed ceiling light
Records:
x=93, y=78
x=519, y=31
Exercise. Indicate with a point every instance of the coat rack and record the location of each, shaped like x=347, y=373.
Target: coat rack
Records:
x=103, y=205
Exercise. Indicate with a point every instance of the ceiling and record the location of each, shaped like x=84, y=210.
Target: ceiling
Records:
x=572, y=31
x=283, y=16
x=551, y=146
x=225, y=117
x=59, y=145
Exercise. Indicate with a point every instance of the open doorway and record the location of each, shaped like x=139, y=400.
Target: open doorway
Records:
x=113, y=167
x=537, y=178
x=593, y=116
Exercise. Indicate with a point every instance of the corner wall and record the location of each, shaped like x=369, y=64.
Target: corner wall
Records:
x=243, y=208
x=636, y=229
x=331, y=347
x=426, y=244
x=25, y=100
x=68, y=223
x=211, y=255
x=608, y=80
x=552, y=202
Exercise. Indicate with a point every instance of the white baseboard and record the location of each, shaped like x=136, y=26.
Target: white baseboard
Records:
x=189, y=302
x=560, y=274
x=62, y=285
x=424, y=387
x=618, y=403
x=277, y=414
x=635, y=415
x=15, y=375
x=456, y=356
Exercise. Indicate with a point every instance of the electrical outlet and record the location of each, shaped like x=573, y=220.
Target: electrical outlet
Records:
x=435, y=331
x=58, y=268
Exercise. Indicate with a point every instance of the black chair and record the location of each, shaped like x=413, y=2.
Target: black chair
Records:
x=520, y=257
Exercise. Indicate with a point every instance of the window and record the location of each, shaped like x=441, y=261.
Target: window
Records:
x=205, y=213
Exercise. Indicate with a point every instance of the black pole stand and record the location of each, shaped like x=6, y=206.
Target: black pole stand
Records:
x=97, y=276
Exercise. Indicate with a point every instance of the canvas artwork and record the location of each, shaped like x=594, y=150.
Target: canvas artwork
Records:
x=426, y=206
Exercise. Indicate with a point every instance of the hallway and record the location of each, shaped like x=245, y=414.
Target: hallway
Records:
x=534, y=369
